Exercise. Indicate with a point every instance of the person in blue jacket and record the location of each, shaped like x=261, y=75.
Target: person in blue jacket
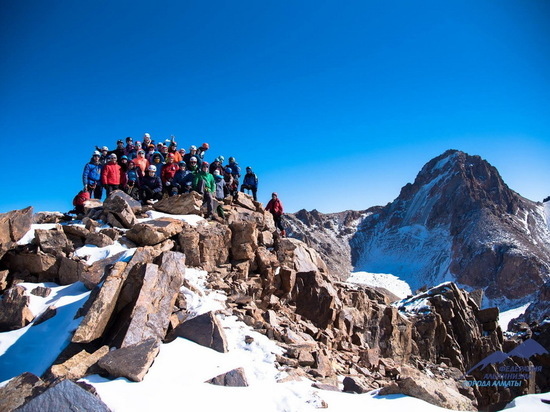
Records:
x=91, y=177
x=183, y=179
x=250, y=182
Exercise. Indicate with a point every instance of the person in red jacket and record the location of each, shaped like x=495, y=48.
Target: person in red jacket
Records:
x=81, y=198
x=275, y=207
x=168, y=172
x=110, y=176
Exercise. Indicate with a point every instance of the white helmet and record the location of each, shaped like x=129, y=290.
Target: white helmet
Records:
x=152, y=168
x=146, y=135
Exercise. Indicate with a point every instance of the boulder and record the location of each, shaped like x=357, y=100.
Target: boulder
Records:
x=41, y=291
x=441, y=392
x=70, y=271
x=13, y=226
x=131, y=362
x=118, y=210
x=235, y=377
x=20, y=390
x=53, y=241
x=77, y=366
x=92, y=275
x=294, y=254
x=246, y=201
x=214, y=241
x=98, y=239
x=188, y=241
x=316, y=299
x=133, y=203
x=204, y=329
x=184, y=204
x=41, y=264
x=14, y=309
x=154, y=231
x=48, y=217
x=4, y=280
x=244, y=240
x=151, y=312
x=98, y=315
x=65, y=396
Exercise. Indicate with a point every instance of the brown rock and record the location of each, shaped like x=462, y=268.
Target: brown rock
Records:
x=4, y=279
x=440, y=392
x=288, y=279
x=132, y=361
x=41, y=264
x=184, y=204
x=488, y=315
x=119, y=212
x=75, y=231
x=48, y=217
x=70, y=271
x=214, y=241
x=98, y=239
x=53, y=241
x=154, y=231
x=133, y=203
x=150, y=316
x=20, y=390
x=204, y=329
x=41, y=291
x=13, y=226
x=94, y=323
x=246, y=201
x=235, y=377
x=188, y=241
x=77, y=366
x=244, y=240
x=296, y=255
x=93, y=274
x=14, y=309
x=315, y=298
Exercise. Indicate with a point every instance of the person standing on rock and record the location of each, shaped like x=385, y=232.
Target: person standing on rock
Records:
x=275, y=207
x=250, y=182
x=204, y=183
x=92, y=175
x=110, y=176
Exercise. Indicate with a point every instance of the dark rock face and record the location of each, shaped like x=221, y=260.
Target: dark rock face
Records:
x=235, y=377
x=65, y=396
x=132, y=361
x=19, y=390
x=14, y=309
x=204, y=330
x=458, y=217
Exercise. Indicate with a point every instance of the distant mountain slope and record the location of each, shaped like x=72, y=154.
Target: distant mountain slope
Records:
x=458, y=221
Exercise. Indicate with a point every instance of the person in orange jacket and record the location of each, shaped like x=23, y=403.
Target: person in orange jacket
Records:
x=110, y=176
x=275, y=207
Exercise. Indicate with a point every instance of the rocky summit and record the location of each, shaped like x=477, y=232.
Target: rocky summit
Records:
x=437, y=345
x=458, y=221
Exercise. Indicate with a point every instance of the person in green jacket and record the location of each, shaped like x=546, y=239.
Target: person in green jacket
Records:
x=204, y=183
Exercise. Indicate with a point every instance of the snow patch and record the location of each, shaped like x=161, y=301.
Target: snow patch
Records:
x=387, y=281
x=29, y=236
x=505, y=317
x=193, y=220
x=92, y=253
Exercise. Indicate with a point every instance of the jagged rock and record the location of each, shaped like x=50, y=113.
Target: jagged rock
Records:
x=154, y=231
x=265, y=238
x=41, y=291
x=94, y=323
x=48, y=217
x=235, y=377
x=294, y=254
x=204, y=329
x=13, y=226
x=288, y=279
x=65, y=396
x=14, y=309
x=4, y=279
x=118, y=210
x=132, y=361
x=440, y=392
x=75, y=230
x=315, y=298
x=133, y=203
x=93, y=274
x=19, y=390
x=352, y=385
x=90, y=224
x=70, y=271
x=184, y=204
x=246, y=201
x=213, y=244
x=488, y=315
x=49, y=313
x=78, y=365
x=244, y=240
x=43, y=265
x=111, y=232
x=98, y=239
x=53, y=241
x=151, y=312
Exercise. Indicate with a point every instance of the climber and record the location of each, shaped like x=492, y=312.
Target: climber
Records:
x=250, y=182
x=275, y=207
x=204, y=183
x=151, y=186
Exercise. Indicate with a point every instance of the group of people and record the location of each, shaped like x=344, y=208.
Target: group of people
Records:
x=148, y=171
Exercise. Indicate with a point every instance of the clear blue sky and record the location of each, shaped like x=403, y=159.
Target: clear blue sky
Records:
x=335, y=104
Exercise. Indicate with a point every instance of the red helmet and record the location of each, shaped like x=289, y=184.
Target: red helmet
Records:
x=205, y=164
x=205, y=146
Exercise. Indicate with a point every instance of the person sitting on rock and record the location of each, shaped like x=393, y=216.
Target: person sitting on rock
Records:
x=250, y=182
x=81, y=198
x=275, y=207
x=92, y=175
x=151, y=186
x=183, y=180
x=110, y=177
x=204, y=183
x=132, y=189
